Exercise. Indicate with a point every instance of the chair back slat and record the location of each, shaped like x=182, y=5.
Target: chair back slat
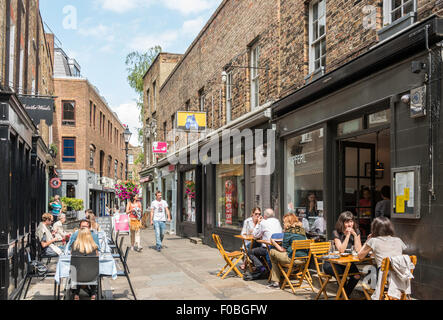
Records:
x=320, y=248
x=301, y=244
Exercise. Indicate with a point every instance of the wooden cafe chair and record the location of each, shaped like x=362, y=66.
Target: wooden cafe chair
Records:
x=228, y=257
x=298, y=267
x=385, y=268
x=319, y=249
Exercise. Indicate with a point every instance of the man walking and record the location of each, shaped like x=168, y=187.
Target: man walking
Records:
x=158, y=218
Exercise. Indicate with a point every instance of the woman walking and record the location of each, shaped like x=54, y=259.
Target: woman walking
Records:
x=134, y=210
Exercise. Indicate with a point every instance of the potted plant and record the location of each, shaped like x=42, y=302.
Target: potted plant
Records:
x=72, y=205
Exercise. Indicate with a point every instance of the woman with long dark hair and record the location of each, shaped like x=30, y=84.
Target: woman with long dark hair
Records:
x=346, y=237
x=133, y=209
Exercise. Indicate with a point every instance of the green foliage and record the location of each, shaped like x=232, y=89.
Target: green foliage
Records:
x=140, y=159
x=74, y=204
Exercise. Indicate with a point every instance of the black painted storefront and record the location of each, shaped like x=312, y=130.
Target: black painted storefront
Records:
x=373, y=82
x=22, y=191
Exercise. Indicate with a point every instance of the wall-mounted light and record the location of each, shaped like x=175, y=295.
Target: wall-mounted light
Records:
x=406, y=99
x=224, y=76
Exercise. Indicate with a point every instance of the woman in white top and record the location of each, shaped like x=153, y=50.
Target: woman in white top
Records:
x=382, y=242
x=59, y=232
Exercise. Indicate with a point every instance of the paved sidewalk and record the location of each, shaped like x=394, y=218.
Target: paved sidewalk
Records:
x=181, y=271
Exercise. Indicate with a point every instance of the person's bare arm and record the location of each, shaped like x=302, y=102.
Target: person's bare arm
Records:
x=277, y=246
x=169, y=214
x=152, y=216
x=364, y=251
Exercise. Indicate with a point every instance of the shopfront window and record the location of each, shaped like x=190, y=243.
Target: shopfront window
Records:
x=230, y=198
x=304, y=182
x=188, y=207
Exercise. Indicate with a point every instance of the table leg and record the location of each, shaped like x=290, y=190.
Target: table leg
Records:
x=341, y=280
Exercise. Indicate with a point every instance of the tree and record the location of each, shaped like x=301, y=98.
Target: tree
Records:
x=137, y=64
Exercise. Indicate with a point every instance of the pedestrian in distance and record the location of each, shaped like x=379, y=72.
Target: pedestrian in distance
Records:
x=134, y=210
x=56, y=206
x=159, y=214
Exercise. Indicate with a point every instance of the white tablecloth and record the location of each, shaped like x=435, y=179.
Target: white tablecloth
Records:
x=106, y=264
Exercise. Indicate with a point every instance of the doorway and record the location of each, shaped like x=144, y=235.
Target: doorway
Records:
x=364, y=170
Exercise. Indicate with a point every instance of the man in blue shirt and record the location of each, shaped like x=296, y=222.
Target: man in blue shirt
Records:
x=56, y=206
x=83, y=224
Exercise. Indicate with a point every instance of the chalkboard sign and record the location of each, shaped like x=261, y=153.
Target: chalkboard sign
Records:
x=105, y=225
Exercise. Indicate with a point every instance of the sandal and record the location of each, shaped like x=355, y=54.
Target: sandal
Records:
x=76, y=297
x=93, y=297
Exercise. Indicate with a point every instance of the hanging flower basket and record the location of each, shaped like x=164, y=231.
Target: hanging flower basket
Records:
x=190, y=189
x=127, y=189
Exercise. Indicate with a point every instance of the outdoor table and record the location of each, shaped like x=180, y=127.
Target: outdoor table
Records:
x=107, y=267
x=345, y=261
x=245, y=238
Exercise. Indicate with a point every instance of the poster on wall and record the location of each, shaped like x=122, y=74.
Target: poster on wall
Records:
x=229, y=187
x=406, y=192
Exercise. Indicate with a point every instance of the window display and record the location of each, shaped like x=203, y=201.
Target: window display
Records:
x=188, y=206
x=230, y=196
x=304, y=182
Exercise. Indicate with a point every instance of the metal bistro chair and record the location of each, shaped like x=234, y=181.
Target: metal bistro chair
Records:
x=87, y=272
x=33, y=270
x=125, y=272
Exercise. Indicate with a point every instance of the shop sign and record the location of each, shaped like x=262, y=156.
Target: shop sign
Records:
x=187, y=121
x=229, y=187
x=160, y=147
x=39, y=108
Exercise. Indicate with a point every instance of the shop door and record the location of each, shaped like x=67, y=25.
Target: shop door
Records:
x=357, y=182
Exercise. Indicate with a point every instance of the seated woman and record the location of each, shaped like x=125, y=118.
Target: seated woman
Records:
x=293, y=231
x=59, y=232
x=346, y=236
x=94, y=225
x=382, y=243
x=85, y=245
x=248, y=229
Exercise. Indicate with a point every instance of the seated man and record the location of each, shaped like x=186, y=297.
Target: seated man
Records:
x=46, y=238
x=83, y=224
x=265, y=228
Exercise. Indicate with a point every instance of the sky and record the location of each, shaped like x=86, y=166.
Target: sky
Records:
x=100, y=33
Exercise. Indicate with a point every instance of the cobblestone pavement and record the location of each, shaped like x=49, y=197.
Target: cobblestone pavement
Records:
x=181, y=271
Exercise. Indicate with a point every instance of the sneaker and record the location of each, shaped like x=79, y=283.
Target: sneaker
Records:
x=159, y=249
x=273, y=286
x=132, y=248
x=140, y=249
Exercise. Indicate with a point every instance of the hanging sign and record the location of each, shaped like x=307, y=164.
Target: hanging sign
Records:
x=160, y=147
x=55, y=183
x=229, y=188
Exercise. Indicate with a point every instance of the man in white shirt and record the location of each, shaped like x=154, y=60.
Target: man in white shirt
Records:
x=158, y=218
x=265, y=228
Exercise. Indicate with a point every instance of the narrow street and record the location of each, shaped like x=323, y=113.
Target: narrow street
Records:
x=182, y=271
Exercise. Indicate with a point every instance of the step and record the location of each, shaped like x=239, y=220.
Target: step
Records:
x=196, y=240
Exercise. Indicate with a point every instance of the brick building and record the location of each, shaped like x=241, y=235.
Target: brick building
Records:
x=89, y=137
x=26, y=107
x=345, y=83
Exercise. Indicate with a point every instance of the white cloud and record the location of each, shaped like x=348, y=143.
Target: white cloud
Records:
x=122, y=6
x=193, y=27
x=191, y=6
x=145, y=42
x=128, y=114
x=99, y=31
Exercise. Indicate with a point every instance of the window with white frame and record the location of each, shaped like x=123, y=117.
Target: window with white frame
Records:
x=317, y=35
x=228, y=97
x=255, y=85
x=395, y=9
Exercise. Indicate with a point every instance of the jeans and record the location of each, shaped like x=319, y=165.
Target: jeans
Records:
x=159, y=227
x=255, y=255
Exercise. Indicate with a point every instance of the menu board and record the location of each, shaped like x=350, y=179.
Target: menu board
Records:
x=406, y=192
x=105, y=224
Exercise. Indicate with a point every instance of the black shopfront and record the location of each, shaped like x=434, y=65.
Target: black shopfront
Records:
x=344, y=136
x=22, y=191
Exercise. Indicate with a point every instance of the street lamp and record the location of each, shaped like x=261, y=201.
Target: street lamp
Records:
x=127, y=135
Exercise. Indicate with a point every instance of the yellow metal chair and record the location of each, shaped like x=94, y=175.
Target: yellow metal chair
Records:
x=228, y=257
x=298, y=267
